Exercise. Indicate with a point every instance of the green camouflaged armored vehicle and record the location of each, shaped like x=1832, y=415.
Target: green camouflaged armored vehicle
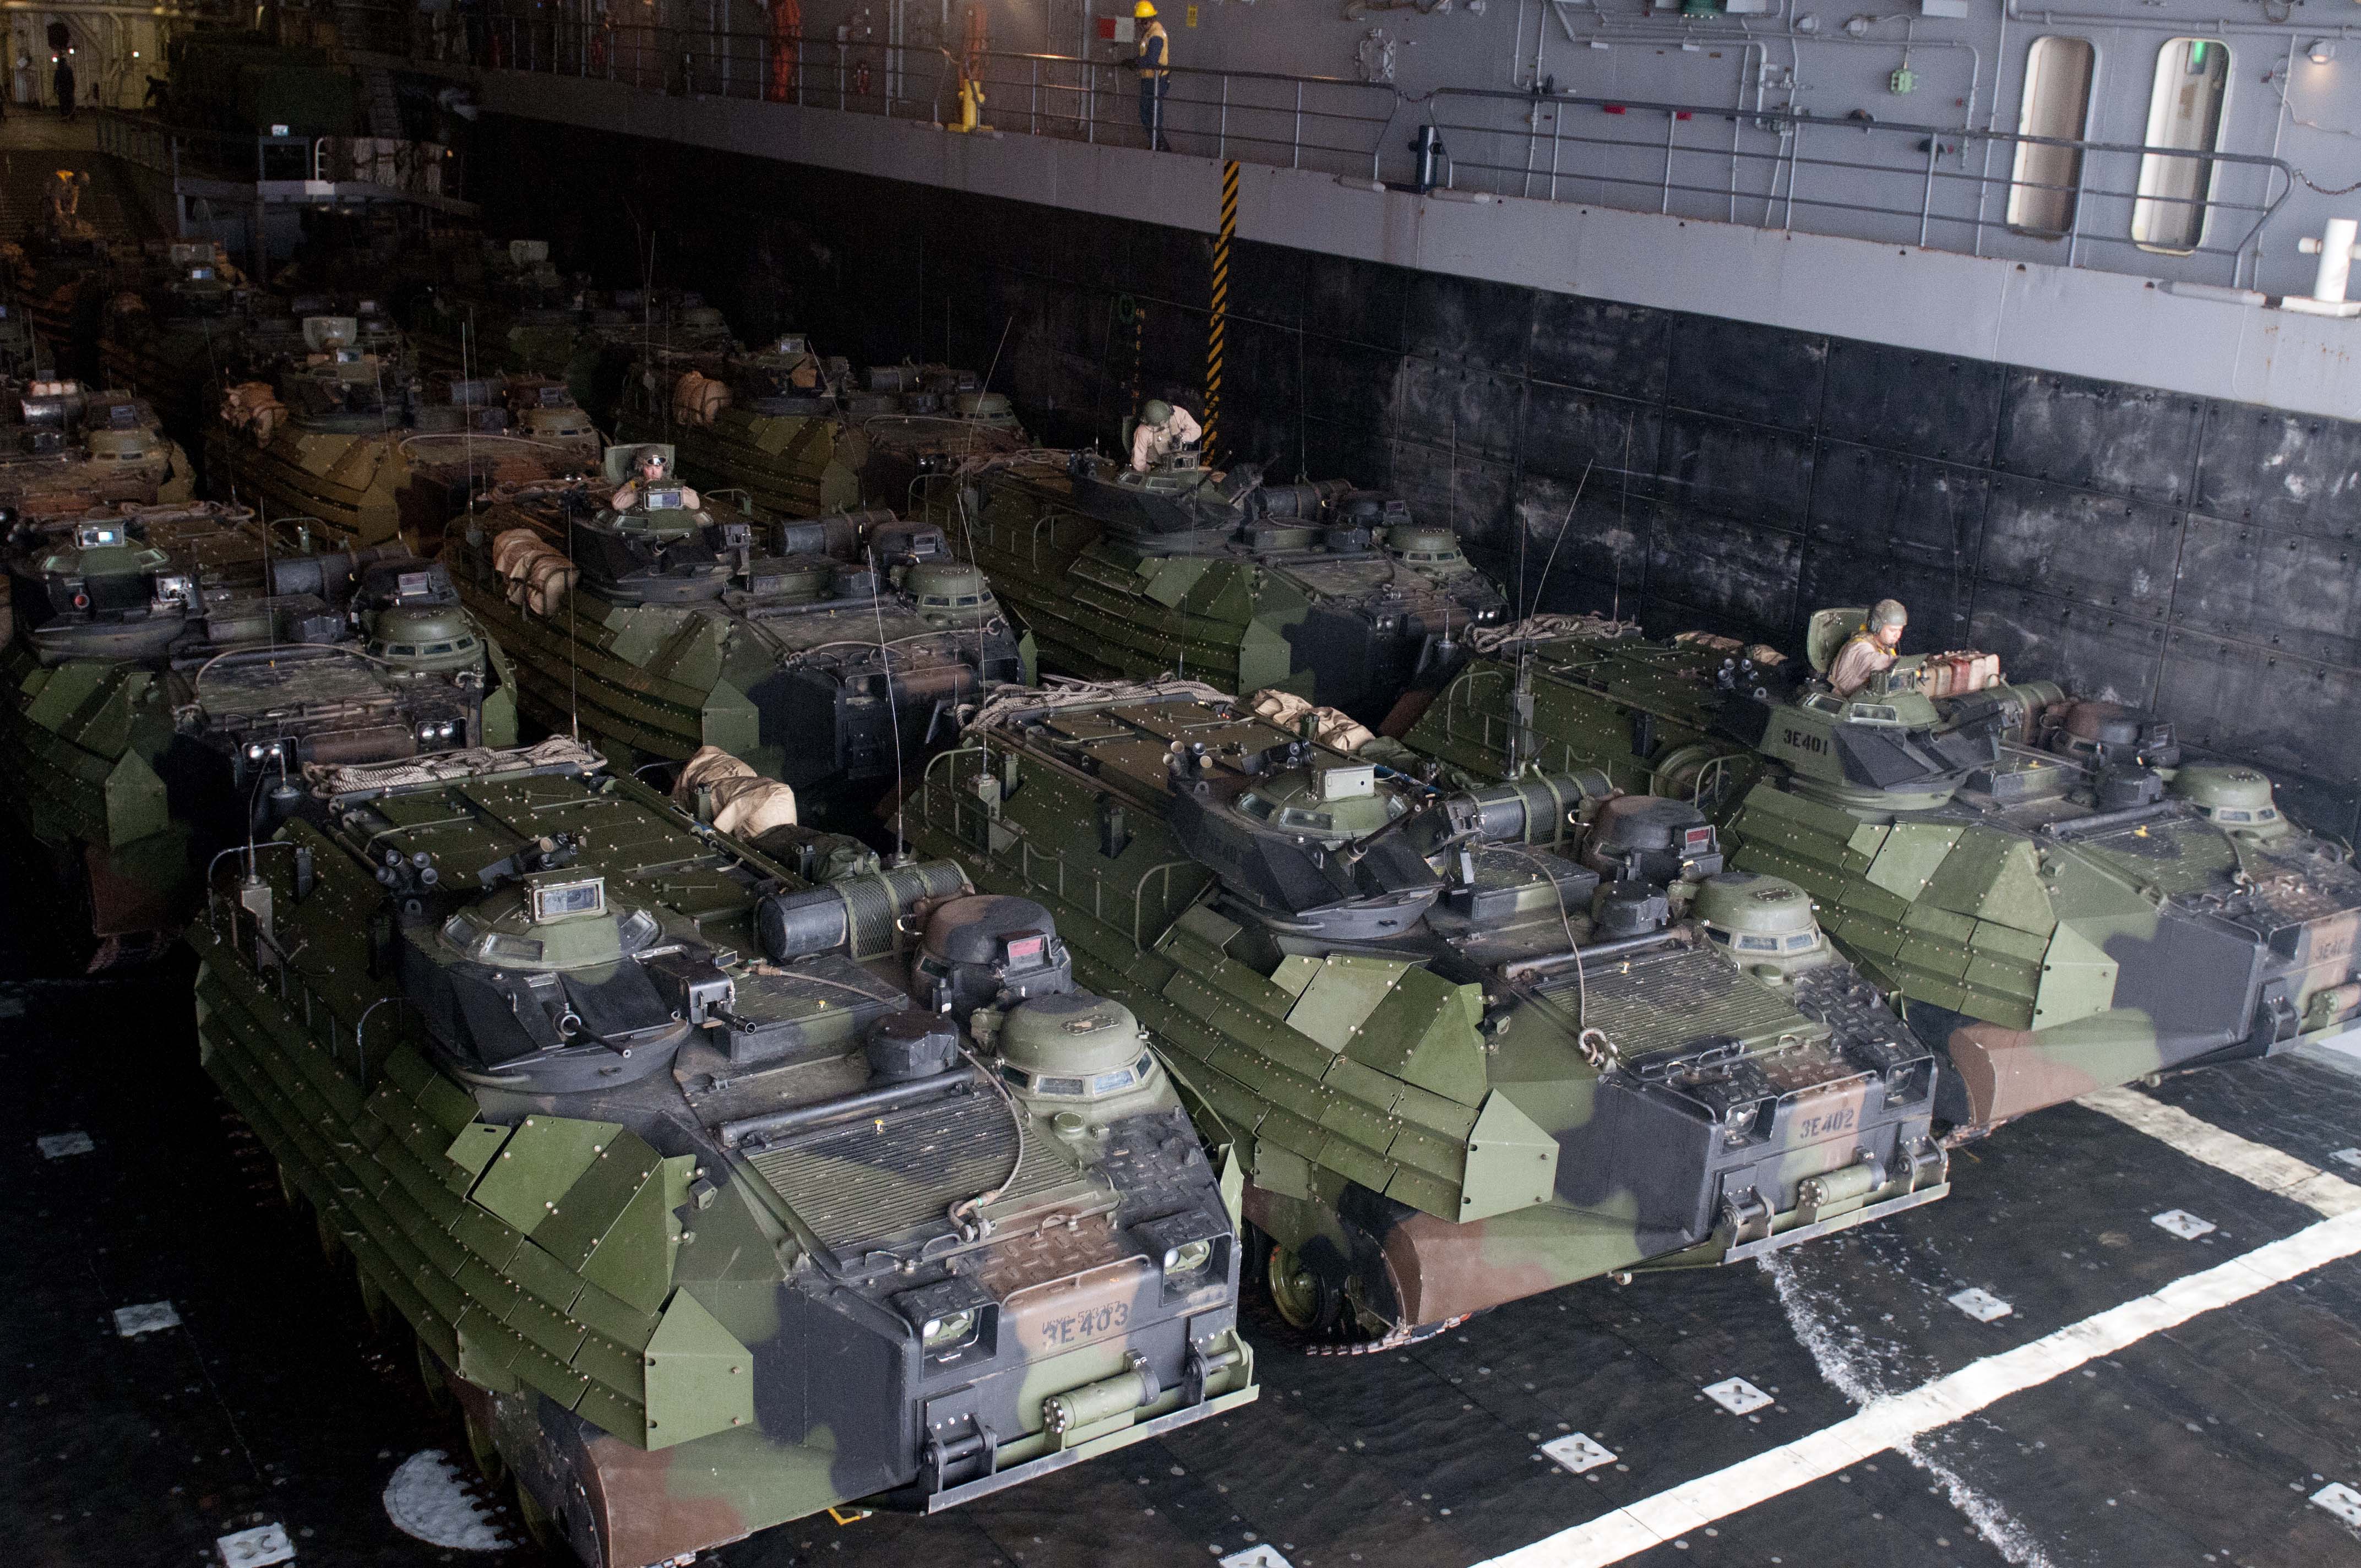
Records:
x=349, y=444
x=2063, y=900
x=520, y=312
x=74, y=450
x=168, y=670
x=59, y=277
x=1333, y=594
x=722, y=1181
x=796, y=436
x=1470, y=1045
x=175, y=331
x=516, y=314
x=825, y=652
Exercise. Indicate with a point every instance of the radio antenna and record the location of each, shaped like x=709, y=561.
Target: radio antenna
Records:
x=1623, y=522
x=893, y=706
x=573, y=648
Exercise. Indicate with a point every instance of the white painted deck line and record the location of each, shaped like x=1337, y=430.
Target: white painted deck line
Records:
x=2263, y=1165
x=1885, y=1423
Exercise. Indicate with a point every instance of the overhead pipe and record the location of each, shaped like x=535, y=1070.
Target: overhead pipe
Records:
x=2046, y=17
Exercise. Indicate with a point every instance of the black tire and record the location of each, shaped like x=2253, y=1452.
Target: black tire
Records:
x=489, y=1462
x=431, y=1382
x=541, y=1532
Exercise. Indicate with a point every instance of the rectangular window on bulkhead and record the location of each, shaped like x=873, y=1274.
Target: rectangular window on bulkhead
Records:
x=2047, y=183
x=2184, y=123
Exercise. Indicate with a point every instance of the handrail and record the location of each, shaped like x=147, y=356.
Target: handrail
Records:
x=236, y=157
x=1884, y=180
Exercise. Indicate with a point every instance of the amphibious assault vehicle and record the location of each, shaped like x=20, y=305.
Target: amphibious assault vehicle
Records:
x=519, y=314
x=720, y=1181
x=168, y=671
x=824, y=652
x=2063, y=899
x=74, y=450
x=1469, y=1045
x=175, y=333
x=354, y=446
x=798, y=438
x=58, y=275
x=1334, y=594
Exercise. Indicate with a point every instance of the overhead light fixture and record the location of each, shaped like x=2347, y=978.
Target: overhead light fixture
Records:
x=2321, y=50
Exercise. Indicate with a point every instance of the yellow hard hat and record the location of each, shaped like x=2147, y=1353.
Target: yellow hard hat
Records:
x=1143, y=10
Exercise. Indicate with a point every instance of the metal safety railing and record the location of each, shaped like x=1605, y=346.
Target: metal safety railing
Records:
x=178, y=150
x=1924, y=185
x=2166, y=211
x=182, y=151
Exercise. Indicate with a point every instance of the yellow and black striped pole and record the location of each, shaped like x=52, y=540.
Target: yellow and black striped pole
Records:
x=1217, y=329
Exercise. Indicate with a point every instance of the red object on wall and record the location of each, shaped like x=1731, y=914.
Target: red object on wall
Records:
x=1106, y=29
x=786, y=35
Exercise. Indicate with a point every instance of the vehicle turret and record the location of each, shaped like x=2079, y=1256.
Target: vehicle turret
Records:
x=100, y=590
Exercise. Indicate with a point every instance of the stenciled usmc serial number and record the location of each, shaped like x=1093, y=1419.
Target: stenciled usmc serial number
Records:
x=1827, y=1123
x=1086, y=1324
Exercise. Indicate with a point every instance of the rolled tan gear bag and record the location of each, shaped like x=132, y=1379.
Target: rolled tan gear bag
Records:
x=1335, y=727
x=745, y=805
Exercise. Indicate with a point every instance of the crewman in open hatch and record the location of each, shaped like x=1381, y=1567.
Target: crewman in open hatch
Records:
x=1163, y=429
x=652, y=485
x=1871, y=650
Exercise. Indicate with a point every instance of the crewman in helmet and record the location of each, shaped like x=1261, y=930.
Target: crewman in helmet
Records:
x=651, y=472
x=1161, y=428
x=1153, y=65
x=1869, y=651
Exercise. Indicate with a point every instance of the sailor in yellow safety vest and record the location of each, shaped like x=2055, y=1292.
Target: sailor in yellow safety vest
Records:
x=1153, y=65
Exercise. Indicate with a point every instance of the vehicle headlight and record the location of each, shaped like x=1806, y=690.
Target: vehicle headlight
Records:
x=948, y=1332
x=1188, y=1257
x=254, y=753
